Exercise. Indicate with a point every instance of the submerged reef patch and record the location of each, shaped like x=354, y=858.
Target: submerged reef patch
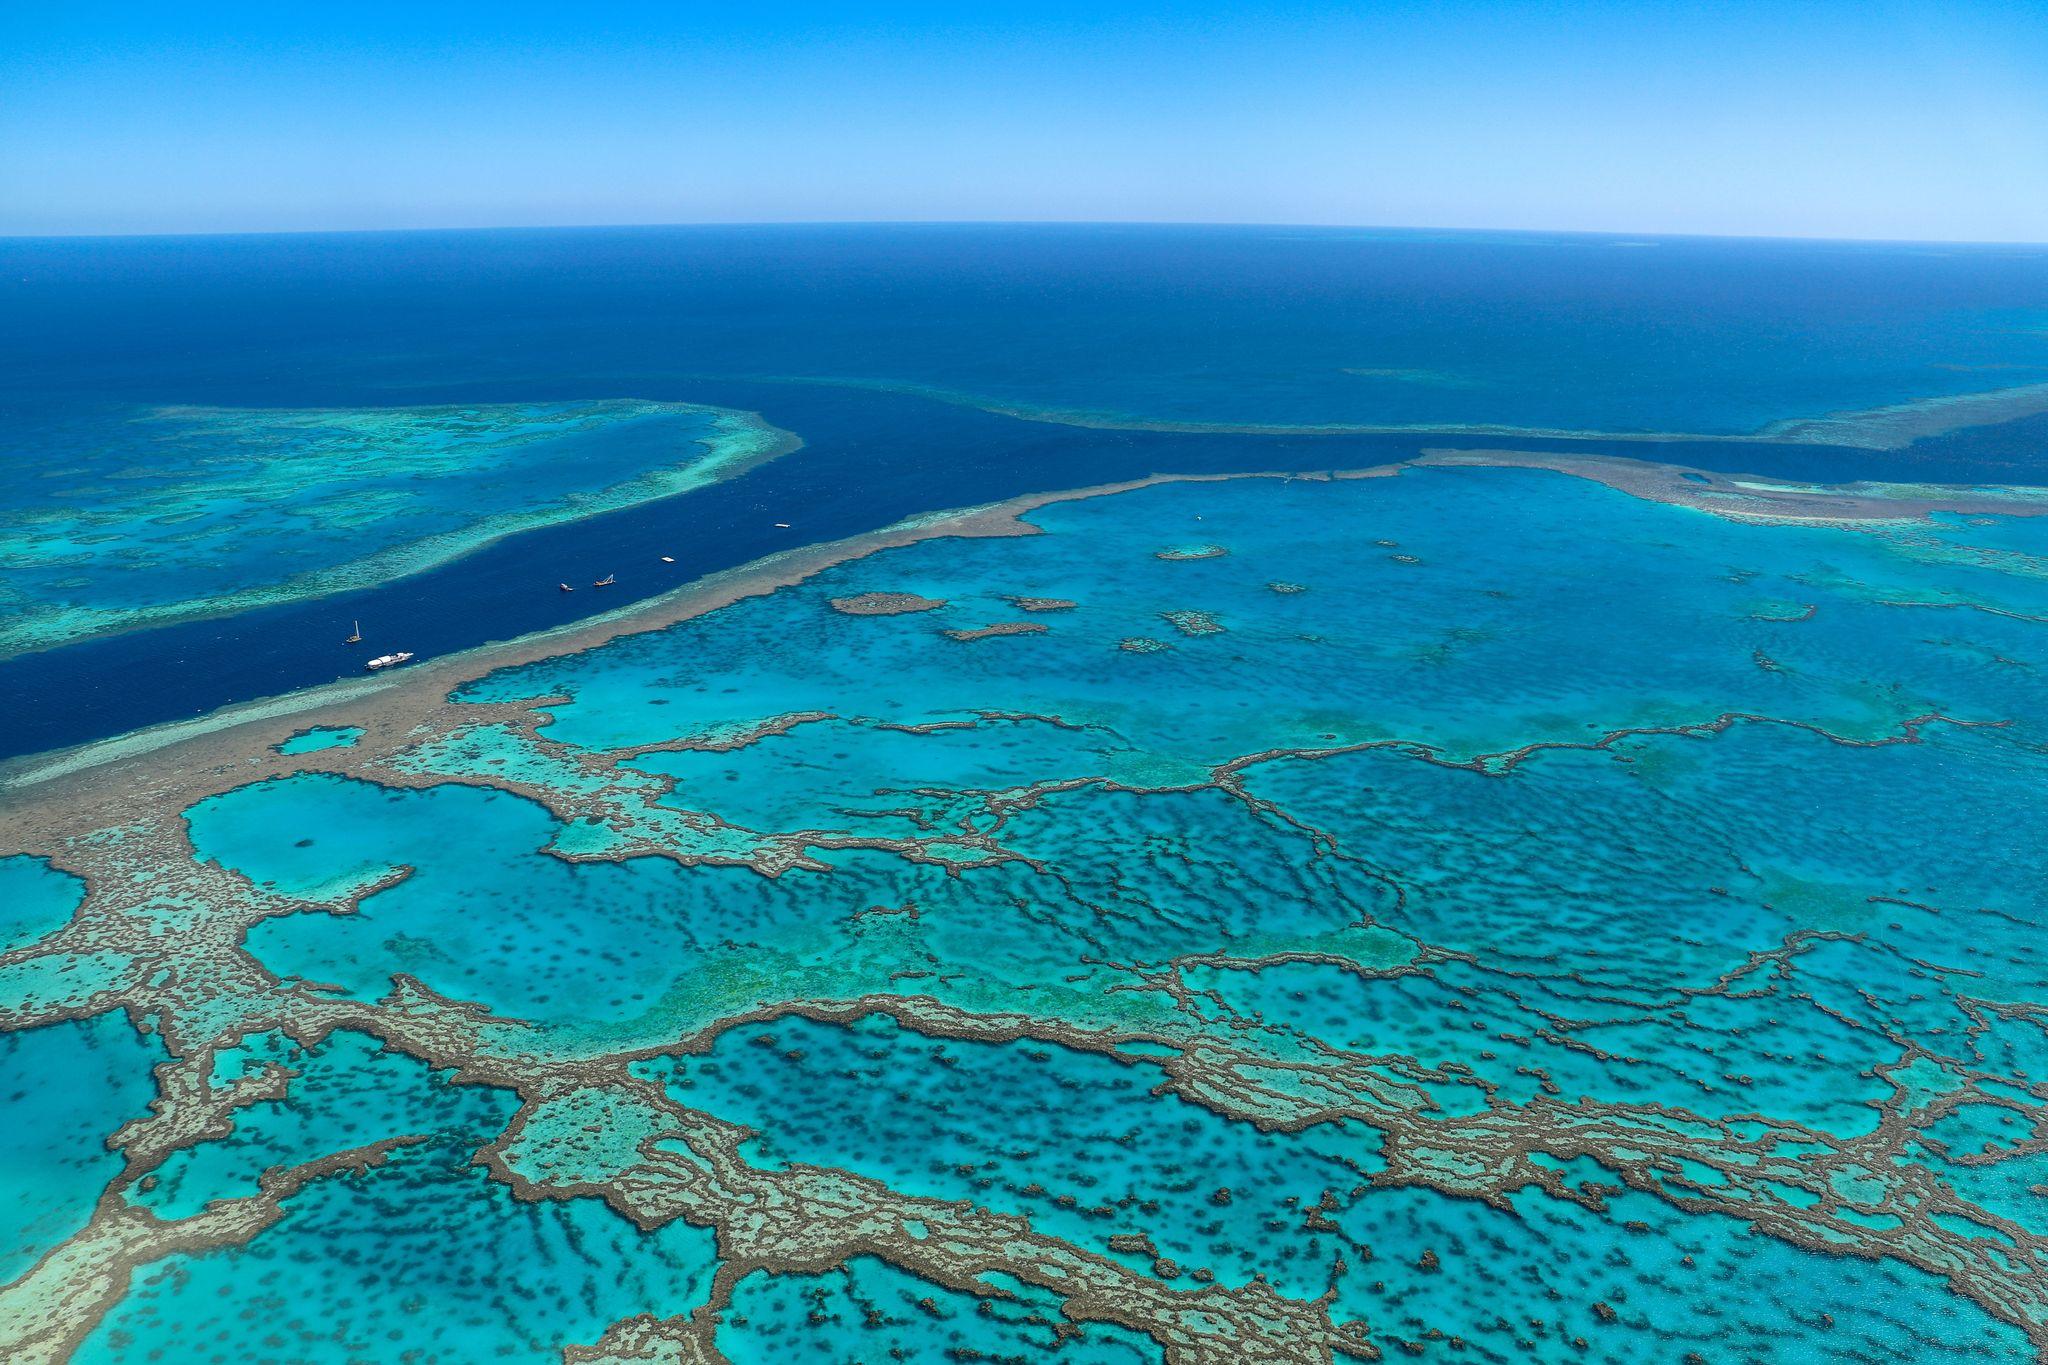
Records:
x=884, y=604
x=1892, y=426
x=1193, y=622
x=999, y=628
x=172, y=514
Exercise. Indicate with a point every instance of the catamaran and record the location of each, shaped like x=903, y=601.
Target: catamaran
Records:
x=356, y=638
x=606, y=581
x=387, y=660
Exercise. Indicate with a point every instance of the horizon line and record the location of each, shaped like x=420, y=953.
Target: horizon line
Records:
x=1277, y=225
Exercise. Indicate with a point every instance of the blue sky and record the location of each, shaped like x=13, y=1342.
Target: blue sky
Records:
x=1888, y=118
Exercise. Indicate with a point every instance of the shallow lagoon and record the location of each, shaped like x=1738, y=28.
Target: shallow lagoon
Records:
x=321, y=737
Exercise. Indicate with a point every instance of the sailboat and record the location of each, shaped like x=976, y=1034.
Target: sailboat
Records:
x=606, y=581
x=356, y=638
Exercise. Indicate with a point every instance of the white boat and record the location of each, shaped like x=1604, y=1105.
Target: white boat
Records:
x=668, y=559
x=387, y=660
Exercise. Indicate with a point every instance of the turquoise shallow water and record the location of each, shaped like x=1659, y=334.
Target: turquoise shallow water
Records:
x=321, y=737
x=140, y=516
x=1473, y=914
x=67, y=1088
x=424, y=1259
x=1411, y=625
x=1110, y=1165
x=36, y=898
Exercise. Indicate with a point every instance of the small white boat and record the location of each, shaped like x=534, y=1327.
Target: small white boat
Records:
x=567, y=588
x=668, y=559
x=783, y=524
x=387, y=660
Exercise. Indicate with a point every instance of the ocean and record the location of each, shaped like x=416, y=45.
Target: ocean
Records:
x=909, y=360
x=1139, y=795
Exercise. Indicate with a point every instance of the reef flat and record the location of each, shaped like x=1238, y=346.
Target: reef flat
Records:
x=170, y=514
x=1752, y=498
x=1448, y=947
